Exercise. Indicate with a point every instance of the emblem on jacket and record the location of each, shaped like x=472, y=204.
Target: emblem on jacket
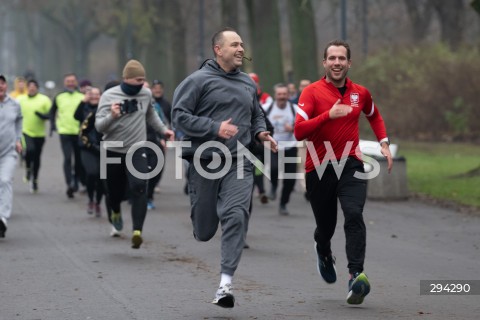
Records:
x=354, y=99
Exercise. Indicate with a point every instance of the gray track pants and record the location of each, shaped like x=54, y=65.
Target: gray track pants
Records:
x=7, y=169
x=225, y=200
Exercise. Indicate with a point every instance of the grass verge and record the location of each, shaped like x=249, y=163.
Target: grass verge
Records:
x=444, y=171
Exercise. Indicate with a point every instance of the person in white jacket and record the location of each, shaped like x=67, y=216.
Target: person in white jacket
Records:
x=10, y=146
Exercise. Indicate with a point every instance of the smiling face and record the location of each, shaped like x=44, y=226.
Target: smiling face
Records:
x=336, y=65
x=281, y=96
x=229, y=51
x=70, y=82
x=94, y=96
x=157, y=90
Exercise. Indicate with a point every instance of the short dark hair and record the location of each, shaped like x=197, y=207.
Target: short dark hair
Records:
x=155, y=82
x=217, y=38
x=85, y=83
x=111, y=84
x=71, y=74
x=337, y=43
x=32, y=81
x=278, y=86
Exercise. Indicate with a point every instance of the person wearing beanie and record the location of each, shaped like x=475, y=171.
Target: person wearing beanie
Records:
x=122, y=115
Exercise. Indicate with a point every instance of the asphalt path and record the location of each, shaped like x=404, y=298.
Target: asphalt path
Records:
x=57, y=262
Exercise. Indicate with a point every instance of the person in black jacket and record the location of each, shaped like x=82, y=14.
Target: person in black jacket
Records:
x=90, y=149
x=258, y=150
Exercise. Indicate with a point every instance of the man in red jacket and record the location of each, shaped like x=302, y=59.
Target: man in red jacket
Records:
x=328, y=116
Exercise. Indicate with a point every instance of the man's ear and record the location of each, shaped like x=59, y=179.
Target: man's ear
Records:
x=217, y=50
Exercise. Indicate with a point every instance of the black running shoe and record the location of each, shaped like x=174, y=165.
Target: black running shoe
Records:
x=326, y=267
x=27, y=176
x=358, y=288
x=3, y=227
x=34, y=186
x=70, y=193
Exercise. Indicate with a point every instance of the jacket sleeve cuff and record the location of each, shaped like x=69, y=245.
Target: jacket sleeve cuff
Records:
x=215, y=129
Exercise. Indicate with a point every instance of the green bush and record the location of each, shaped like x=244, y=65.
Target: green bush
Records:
x=425, y=93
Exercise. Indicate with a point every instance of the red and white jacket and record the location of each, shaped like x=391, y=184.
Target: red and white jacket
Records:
x=313, y=122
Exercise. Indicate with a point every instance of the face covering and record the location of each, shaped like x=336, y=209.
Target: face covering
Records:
x=131, y=89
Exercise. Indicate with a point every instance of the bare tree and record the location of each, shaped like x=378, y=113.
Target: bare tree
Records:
x=304, y=41
x=263, y=20
x=76, y=19
x=451, y=15
x=476, y=5
x=230, y=13
x=420, y=15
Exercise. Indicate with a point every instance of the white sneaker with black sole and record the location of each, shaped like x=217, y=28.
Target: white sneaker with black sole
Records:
x=224, y=297
x=3, y=227
x=114, y=233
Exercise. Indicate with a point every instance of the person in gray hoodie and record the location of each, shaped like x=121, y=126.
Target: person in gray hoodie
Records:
x=122, y=115
x=218, y=105
x=10, y=146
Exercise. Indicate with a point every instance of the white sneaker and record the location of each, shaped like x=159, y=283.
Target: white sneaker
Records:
x=115, y=233
x=224, y=297
x=3, y=227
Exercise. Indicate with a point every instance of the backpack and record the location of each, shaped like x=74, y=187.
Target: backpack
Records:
x=270, y=107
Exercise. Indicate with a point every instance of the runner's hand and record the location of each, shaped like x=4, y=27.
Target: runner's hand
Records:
x=265, y=136
x=227, y=129
x=339, y=110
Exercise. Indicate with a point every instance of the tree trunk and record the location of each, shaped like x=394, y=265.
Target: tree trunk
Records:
x=420, y=18
x=177, y=41
x=230, y=13
x=476, y=5
x=304, y=44
x=265, y=35
x=452, y=21
x=157, y=56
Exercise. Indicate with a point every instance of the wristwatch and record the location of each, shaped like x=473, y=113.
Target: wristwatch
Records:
x=386, y=140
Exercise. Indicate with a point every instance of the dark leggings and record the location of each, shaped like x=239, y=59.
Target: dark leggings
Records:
x=91, y=164
x=34, y=147
x=152, y=163
x=258, y=177
x=323, y=193
x=69, y=144
x=119, y=178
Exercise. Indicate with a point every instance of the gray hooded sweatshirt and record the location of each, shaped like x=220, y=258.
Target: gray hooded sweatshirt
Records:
x=10, y=125
x=131, y=127
x=209, y=96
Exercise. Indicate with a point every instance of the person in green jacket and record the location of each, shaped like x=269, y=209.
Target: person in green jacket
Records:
x=35, y=111
x=62, y=120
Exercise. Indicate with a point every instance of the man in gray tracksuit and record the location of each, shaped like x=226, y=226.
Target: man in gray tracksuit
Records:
x=10, y=137
x=218, y=104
